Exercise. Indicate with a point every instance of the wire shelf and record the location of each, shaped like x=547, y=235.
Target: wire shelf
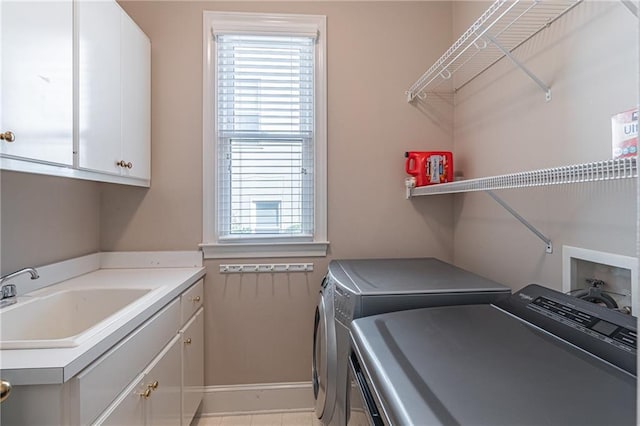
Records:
x=622, y=168
x=508, y=23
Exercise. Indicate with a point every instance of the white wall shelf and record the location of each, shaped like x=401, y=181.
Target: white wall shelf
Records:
x=504, y=26
x=623, y=168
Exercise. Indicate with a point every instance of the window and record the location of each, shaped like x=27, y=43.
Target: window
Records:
x=264, y=136
x=267, y=216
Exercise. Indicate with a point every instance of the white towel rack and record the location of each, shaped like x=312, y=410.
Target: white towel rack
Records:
x=504, y=26
x=622, y=168
x=260, y=268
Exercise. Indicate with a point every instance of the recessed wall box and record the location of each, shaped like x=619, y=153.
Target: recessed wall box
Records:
x=619, y=274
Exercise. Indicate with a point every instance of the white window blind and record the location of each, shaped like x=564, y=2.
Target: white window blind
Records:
x=265, y=136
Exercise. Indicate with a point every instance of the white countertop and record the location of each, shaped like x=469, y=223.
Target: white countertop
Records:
x=57, y=365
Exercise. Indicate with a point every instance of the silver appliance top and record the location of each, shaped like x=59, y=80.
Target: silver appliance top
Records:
x=481, y=365
x=407, y=276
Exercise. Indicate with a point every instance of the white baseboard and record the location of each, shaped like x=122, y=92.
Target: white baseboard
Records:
x=259, y=398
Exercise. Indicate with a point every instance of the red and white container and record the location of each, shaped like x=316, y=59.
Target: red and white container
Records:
x=429, y=167
x=624, y=134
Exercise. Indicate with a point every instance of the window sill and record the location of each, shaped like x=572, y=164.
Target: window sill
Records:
x=253, y=250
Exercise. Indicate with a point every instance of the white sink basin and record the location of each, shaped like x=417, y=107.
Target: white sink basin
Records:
x=62, y=319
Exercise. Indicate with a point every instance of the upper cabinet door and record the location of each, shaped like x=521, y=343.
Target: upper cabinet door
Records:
x=136, y=100
x=99, y=91
x=36, y=80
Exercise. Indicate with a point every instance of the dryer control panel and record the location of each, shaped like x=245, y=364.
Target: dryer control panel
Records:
x=606, y=333
x=343, y=301
x=611, y=333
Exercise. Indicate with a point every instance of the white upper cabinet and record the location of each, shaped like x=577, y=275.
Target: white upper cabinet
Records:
x=99, y=93
x=135, y=67
x=36, y=85
x=114, y=68
x=82, y=113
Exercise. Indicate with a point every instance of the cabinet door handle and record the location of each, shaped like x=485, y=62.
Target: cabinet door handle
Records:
x=7, y=136
x=188, y=341
x=5, y=390
x=154, y=385
x=124, y=164
x=195, y=299
x=146, y=393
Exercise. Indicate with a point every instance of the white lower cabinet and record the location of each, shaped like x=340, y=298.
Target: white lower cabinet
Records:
x=169, y=390
x=192, y=365
x=154, y=376
x=154, y=397
x=103, y=380
x=164, y=381
x=129, y=408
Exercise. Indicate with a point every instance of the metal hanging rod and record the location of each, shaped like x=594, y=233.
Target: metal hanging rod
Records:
x=508, y=23
x=621, y=168
x=265, y=268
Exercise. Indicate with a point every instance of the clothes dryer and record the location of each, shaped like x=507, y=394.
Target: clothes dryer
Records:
x=362, y=287
x=539, y=357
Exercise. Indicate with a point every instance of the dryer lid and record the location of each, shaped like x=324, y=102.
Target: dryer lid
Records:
x=408, y=276
x=479, y=365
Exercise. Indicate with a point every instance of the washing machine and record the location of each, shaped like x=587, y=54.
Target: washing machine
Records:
x=358, y=288
x=539, y=357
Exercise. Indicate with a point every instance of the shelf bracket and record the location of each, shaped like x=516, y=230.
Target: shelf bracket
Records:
x=507, y=207
x=546, y=89
x=631, y=6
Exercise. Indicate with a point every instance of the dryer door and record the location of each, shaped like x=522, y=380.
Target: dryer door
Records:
x=323, y=364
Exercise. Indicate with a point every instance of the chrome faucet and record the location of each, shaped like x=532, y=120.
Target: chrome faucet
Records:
x=8, y=295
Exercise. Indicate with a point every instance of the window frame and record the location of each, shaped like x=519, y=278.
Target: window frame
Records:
x=213, y=245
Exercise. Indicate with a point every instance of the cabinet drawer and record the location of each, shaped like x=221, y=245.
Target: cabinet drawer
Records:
x=128, y=408
x=191, y=300
x=102, y=381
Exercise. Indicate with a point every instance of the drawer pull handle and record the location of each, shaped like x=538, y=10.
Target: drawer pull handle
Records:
x=5, y=391
x=188, y=341
x=154, y=385
x=124, y=164
x=195, y=299
x=7, y=136
x=146, y=393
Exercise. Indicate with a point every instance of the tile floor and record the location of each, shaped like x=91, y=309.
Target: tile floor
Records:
x=271, y=419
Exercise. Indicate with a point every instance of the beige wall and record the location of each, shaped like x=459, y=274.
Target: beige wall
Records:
x=502, y=124
x=259, y=328
x=46, y=219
